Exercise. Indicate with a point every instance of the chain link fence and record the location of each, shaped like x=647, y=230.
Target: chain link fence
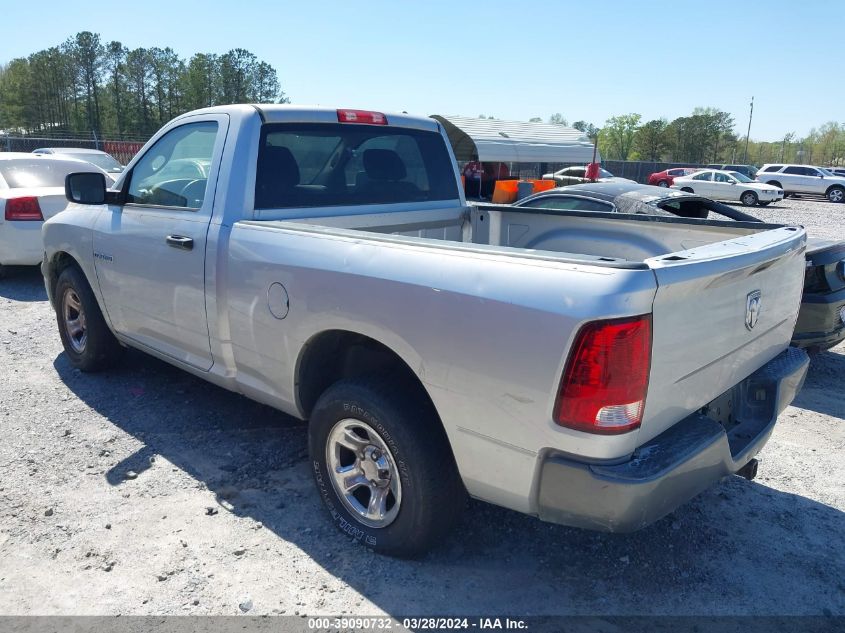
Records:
x=122, y=150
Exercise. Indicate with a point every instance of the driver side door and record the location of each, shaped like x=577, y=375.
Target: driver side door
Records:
x=149, y=251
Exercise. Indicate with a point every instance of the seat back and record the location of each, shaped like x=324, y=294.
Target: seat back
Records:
x=276, y=177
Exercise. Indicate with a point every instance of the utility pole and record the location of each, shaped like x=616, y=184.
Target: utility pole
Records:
x=748, y=133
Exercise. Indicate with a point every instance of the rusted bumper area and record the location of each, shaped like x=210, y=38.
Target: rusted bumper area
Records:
x=676, y=465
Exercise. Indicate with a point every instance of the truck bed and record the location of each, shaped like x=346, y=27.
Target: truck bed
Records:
x=597, y=238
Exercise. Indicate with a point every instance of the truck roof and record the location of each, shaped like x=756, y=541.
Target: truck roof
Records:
x=296, y=113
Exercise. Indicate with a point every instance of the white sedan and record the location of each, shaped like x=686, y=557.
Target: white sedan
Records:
x=728, y=185
x=32, y=189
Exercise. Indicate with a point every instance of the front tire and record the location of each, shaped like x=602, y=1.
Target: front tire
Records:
x=383, y=465
x=836, y=194
x=749, y=199
x=87, y=339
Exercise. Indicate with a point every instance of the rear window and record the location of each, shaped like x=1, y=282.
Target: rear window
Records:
x=103, y=161
x=39, y=172
x=318, y=165
x=772, y=168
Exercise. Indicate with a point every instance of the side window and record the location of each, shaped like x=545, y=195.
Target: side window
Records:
x=800, y=171
x=773, y=168
x=705, y=175
x=174, y=171
x=722, y=178
x=569, y=204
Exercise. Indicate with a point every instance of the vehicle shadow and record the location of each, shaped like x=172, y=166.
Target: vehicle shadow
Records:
x=822, y=391
x=22, y=283
x=739, y=548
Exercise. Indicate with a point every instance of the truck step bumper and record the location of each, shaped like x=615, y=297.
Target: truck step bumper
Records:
x=676, y=465
x=820, y=321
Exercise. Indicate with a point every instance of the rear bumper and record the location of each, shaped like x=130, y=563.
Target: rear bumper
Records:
x=20, y=243
x=676, y=465
x=820, y=323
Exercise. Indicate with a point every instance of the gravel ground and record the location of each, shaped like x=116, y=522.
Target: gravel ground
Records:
x=148, y=491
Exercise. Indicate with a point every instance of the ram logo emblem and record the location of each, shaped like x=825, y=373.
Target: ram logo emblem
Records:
x=752, y=309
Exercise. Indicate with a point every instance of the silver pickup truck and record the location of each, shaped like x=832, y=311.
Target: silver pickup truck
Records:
x=590, y=370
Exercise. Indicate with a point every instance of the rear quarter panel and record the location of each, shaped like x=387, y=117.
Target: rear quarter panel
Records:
x=486, y=335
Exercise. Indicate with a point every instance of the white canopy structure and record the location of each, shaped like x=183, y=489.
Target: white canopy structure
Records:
x=491, y=140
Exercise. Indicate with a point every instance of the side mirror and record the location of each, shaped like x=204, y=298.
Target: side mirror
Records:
x=86, y=188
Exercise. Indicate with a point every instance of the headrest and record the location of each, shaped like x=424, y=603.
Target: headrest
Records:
x=383, y=164
x=277, y=165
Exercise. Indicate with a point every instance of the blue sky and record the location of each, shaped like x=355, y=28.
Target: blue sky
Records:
x=587, y=60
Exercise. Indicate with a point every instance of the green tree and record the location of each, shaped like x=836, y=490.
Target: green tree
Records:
x=237, y=70
x=590, y=130
x=558, y=119
x=651, y=140
x=87, y=53
x=138, y=71
x=116, y=68
x=201, y=81
x=535, y=119
x=616, y=139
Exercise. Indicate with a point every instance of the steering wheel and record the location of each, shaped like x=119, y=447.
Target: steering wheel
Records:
x=194, y=192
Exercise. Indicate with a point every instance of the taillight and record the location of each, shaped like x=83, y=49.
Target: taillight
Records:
x=604, y=384
x=26, y=208
x=361, y=116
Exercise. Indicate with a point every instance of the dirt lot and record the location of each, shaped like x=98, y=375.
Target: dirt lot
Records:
x=149, y=491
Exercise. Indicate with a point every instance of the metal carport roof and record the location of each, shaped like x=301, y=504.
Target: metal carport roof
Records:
x=492, y=140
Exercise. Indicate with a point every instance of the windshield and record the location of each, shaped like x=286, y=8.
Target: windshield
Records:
x=39, y=172
x=825, y=172
x=605, y=174
x=740, y=177
x=103, y=161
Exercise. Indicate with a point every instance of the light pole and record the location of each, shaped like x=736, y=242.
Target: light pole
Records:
x=748, y=133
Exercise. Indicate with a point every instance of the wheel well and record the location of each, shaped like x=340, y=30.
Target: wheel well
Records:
x=775, y=183
x=339, y=354
x=749, y=191
x=59, y=262
x=833, y=187
x=687, y=189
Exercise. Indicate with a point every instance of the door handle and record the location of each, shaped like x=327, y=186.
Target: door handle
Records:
x=181, y=242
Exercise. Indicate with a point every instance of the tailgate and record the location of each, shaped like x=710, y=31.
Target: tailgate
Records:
x=721, y=311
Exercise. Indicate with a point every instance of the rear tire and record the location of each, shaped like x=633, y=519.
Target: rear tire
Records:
x=749, y=199
x=836, y=194
x=87, y=339
x=383, y=465
x=663, y=183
